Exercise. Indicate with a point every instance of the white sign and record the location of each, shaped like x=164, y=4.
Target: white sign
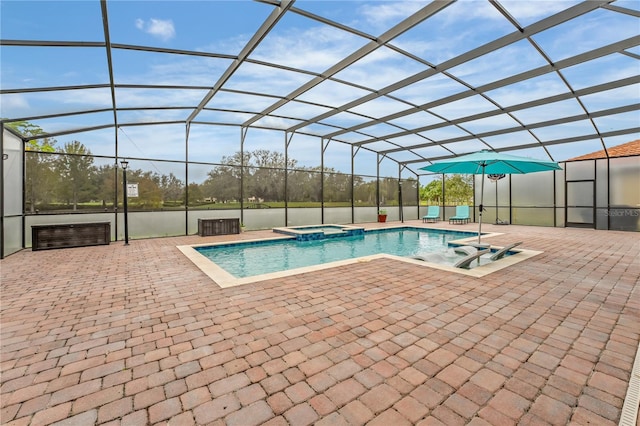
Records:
x=132, y=190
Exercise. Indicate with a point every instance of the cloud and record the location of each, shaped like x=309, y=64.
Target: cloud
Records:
x=523, y=10
x=315, y=48
x=162, y=29
x=383, y=14
x=16, y=103
x=520, y=10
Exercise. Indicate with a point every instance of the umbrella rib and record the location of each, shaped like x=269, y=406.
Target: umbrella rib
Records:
x=519, y=170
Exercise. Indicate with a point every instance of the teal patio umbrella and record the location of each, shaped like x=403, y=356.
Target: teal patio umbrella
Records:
x=490, y=162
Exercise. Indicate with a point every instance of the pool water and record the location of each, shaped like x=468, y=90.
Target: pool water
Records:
x=261, y=257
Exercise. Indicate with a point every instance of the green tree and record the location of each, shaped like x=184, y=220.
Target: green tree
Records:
x=272, y=159
x=195, y=195
x=222, y=184
x=364, y=191
x=458, y=189
x=388, y=191
x=40, y=177
x=410, y=191
x=149, y=190
x=172, y=188
x=265, y=175
x=432, y=192
x=75, y=170
x=104, y=182
x=264, y=183
x=303, y=186
x=337, y=187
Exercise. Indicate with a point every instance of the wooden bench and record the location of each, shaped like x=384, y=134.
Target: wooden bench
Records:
x=210, y=227
x=44, y=237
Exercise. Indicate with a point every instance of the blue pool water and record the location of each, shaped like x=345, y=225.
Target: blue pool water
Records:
x=261, y=257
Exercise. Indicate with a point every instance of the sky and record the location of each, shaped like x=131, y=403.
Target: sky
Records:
x=223, y=28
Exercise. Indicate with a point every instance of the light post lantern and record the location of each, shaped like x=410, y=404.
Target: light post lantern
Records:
x=125, y=164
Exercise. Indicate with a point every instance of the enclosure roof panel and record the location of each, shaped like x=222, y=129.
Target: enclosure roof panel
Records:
x=413, y=81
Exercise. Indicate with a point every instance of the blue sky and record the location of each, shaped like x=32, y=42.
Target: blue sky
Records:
x=224, y=28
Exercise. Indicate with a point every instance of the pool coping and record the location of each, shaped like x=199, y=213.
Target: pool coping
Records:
x=225, y=280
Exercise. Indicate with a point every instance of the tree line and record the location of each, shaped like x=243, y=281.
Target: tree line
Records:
x=458, y=189
x=63, y=178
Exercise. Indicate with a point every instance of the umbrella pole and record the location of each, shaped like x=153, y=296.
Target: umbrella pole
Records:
x=481, y=207
x=497, y=218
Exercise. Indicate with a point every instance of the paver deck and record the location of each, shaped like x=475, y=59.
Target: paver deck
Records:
x=135, y=335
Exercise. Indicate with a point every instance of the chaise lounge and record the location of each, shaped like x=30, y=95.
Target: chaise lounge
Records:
x=500, y=253
x=466, y=261
x=462, y=215
x=433, y=214
x=471, y=253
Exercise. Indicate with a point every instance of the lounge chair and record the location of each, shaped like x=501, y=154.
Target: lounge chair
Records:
x=500, y=253
x=433, y=214
x=472, y=253
x=461, y=216
x=431, y=257
x=466, y=261
x=466, y=250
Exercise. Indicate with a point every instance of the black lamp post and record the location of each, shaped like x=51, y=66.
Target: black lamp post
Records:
x=124, y=164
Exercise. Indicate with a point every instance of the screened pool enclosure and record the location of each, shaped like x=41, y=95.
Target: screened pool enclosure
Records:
x=285, y=113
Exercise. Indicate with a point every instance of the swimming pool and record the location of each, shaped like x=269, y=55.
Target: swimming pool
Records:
x=262, y=259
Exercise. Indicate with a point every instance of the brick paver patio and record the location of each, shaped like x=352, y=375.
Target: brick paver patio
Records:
x=138, y=335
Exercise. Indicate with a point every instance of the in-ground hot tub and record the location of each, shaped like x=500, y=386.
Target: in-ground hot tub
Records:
x=320, y=232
